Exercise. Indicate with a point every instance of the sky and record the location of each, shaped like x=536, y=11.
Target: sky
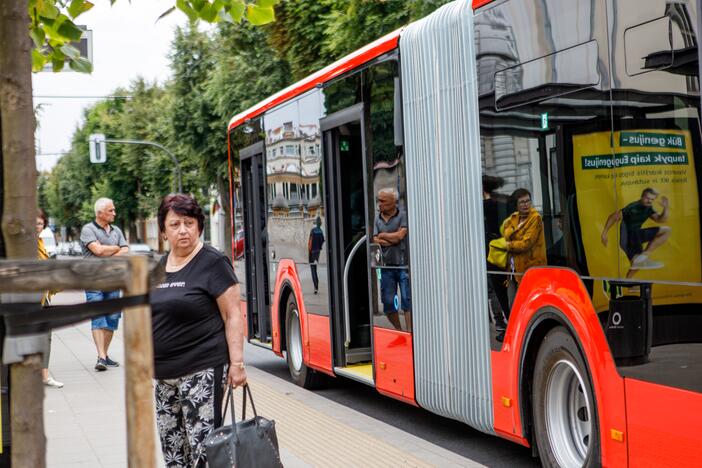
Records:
x=128, y=42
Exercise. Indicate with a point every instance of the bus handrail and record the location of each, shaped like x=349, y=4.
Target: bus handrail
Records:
x=347, y=315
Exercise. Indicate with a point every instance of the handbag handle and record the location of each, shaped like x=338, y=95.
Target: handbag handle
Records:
x=247, y=390
x=230, y=399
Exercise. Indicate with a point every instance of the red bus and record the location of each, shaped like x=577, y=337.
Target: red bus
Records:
x=493, y=214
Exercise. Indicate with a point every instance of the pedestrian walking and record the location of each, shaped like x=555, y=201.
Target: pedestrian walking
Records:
x=314, y=247
x=100, y=238
x=42, y=254
x=198, y=334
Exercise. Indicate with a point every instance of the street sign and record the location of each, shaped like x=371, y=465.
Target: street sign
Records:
x=98, y=149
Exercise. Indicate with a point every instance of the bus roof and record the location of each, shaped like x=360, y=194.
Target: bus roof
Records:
x=341, y=66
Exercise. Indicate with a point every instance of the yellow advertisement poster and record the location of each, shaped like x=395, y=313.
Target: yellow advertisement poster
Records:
x=639, y=210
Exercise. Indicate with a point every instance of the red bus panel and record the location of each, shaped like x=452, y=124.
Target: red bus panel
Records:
x=664, y=425
x=394, y=364
x=319, y=343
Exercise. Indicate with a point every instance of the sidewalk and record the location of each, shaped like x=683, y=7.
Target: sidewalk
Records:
x=86, y=427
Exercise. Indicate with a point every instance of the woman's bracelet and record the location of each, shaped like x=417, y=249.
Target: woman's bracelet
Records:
x=239, y=364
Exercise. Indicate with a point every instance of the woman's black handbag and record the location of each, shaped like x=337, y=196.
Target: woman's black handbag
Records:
x=245, y=443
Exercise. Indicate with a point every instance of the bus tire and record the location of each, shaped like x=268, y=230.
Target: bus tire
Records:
x=564, y=408
x=299, y=372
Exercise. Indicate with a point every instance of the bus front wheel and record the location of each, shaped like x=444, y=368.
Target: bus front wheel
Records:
x=300, y=373
x=565, y=414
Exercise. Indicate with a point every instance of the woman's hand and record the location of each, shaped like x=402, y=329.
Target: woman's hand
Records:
x=236, y=376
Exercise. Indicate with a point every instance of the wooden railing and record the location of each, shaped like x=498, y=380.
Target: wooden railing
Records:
x=134, y=275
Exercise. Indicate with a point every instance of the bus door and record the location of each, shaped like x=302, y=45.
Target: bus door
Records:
x=345, y=189
x=255, y=244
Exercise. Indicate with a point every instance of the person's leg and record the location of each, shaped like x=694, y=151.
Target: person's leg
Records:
x=495, y=308
x=406, y=294
x=171, y=427
x=97, y=324
x=98, y=339
x=112, y=321
x=202, y=399
x=659, y=238
x=500, y=288
x=107, y=338
x=388, y=289
x=315, y=278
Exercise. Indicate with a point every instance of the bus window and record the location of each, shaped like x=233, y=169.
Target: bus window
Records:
x=296, y=217
x=388, y=230
x=649, y=226
x=529, y=202
x=240, y=138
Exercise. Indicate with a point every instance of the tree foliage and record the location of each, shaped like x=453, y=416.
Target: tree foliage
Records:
x=216, y=74
x=53, y=30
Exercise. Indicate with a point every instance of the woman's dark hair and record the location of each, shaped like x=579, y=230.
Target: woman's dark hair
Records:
x=520, y=193
x=181, y=204
x=42, y=214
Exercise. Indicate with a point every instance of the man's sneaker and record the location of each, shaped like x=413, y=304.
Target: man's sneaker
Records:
x=110, y=362
x=101, y=365
x=50, y=382
x=642, y=262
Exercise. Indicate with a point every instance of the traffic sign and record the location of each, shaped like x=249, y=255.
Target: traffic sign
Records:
x=98, y=148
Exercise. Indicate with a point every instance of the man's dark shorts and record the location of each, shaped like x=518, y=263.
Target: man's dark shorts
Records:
x=632, y=242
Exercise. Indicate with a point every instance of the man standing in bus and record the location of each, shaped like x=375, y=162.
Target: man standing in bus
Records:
x=390, y=232
x=633, y=236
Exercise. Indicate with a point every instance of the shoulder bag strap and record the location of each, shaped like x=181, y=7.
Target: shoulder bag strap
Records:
x=230, y=399
x=247, y=393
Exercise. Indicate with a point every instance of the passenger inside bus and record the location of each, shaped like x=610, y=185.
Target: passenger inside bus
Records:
x=390, y=232
x=494, y=212
x=524, y=233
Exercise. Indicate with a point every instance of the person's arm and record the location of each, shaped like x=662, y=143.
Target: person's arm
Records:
x=103, y=250
x=122, y=243
x=661, y=217
x=123, y=251
x=393, y=238
x=611, y=219
x=228, y=303
x=531, y=235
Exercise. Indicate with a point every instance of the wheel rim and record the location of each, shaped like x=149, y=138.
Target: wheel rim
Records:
x=568, y=415
x=295, y=341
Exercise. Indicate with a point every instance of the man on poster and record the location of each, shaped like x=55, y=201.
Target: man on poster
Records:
x=633, y=236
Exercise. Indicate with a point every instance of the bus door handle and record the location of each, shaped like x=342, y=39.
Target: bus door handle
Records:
x=347, y=315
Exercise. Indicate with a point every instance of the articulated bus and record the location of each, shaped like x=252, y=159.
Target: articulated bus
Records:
x=564, y=133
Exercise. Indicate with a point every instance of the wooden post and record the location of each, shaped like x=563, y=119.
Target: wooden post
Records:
x=27, y=413
x=139, y=357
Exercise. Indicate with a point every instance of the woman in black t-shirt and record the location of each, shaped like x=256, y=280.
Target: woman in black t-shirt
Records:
x=198, y=335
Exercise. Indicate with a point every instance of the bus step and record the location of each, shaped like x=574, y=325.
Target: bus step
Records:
x=362, y=372
x=257, y=342
x=356, y=355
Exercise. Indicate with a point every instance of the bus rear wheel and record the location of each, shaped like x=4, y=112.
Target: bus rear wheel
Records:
x=565, y=413
x=300, y=373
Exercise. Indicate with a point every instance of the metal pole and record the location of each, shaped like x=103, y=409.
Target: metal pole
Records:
x=151, y=143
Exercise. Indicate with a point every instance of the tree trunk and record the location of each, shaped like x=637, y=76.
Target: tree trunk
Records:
x=19, y=199
x=19, y=167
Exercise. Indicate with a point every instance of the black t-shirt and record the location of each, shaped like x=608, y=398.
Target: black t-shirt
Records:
x=187, y=326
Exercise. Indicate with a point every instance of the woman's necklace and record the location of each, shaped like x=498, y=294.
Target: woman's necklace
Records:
x=172, y=266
